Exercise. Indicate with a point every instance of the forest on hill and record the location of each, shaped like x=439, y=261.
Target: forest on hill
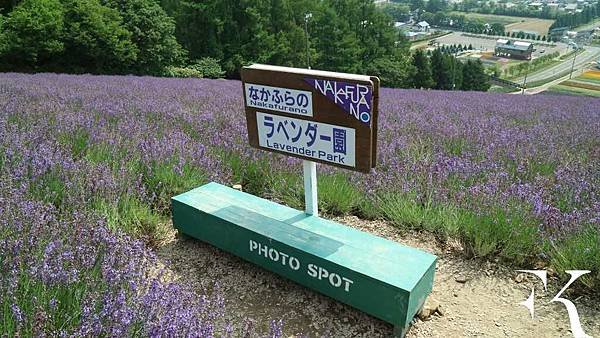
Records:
x=210, y=38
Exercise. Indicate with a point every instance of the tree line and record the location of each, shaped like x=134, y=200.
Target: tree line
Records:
x=562, y=19
x=439, y=70
x=101, y=37
x=209, y=38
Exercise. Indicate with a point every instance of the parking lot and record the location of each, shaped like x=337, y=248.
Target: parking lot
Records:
x=487, y=44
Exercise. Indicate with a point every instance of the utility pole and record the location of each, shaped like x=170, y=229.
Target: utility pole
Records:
x=454, y=60
x=306, y=17
x=525, y=81
x=573, y=64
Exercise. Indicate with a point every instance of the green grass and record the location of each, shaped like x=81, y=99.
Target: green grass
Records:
x=164, y=180
x=111, y=155
x=408, y=211
x=50, y=308
x=579, y=252
x=508, y=232
x=491, y=18
x=560, y=89
x=500, y=89
x=530, y=170
x=133, y=216
x=336, y=195
x=76, y=141
x=455, y=146
x=49, y=188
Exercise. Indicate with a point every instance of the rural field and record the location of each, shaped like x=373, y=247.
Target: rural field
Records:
x=587, y=84
x=88, y=165
x=541, y=26
x=510, y=23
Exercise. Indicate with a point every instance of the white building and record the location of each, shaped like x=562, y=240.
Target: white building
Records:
x=423, y=26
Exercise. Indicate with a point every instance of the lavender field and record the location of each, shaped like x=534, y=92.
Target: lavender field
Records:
x=88, y=165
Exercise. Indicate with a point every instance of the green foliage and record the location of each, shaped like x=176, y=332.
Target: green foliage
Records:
x=442, y=71
x=34, y=297
x=254, y=176
x=96, y=36
x=152, y=33
x=417, y=4
x=398, y=12
x=2, y=36
x=423, y=77
x=408, y=211
x=132, y=216
x=76, y=142
x=336, y=195
x=49, y=188
x=338, y=45
x=208, y=67
x=508, y=232
x=288, y=189
x=97, y=40
x=32, y=34
x=183, y=72
x=391, y=73
x=474, y=77
x=348, y=36
x=579, y=252
x=434, y=6
x=169, y=178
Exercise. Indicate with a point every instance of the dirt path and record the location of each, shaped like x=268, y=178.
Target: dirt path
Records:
x=478, y=299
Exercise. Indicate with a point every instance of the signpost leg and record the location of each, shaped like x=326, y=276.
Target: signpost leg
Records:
x=310, y=187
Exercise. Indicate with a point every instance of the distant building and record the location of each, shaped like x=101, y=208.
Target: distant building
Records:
x=400, y=25
x=415, y=35
x=517, y=31
x=557, y=33
x=570, y=7
x=514, y=49
x=423, y=26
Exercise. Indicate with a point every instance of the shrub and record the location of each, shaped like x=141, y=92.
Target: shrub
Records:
x=208, y=67
x=205, y=67
x=183, y=72
x=337, y=196
x=579, y=252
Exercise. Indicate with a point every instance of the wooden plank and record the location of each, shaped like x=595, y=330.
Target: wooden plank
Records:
x=380, y=277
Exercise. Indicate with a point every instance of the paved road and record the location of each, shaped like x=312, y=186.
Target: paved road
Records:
x=590, y=54
x=547, y=85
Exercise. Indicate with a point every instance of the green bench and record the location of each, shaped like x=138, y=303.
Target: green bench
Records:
x=382, y=278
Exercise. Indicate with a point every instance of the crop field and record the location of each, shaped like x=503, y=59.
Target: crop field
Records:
x=587, y=84
x=492, y=18
x=541, y=26
x=513, y=22
x=88, y=165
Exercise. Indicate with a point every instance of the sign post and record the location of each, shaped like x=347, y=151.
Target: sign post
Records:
x=310, y=188
x=318, y=117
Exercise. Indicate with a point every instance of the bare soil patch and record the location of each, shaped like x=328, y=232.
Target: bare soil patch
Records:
x=541, y=26
x=477, y=298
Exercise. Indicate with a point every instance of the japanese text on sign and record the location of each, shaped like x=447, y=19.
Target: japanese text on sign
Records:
x=354, y=98
x=312, y=139
x=285, y=100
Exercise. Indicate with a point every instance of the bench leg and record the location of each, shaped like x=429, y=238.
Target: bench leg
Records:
x=399, y=331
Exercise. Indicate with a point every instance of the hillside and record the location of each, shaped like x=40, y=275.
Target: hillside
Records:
x=89, y=164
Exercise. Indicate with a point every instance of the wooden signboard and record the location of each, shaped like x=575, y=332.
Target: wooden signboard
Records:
x=314, y=115
x=323, y=117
